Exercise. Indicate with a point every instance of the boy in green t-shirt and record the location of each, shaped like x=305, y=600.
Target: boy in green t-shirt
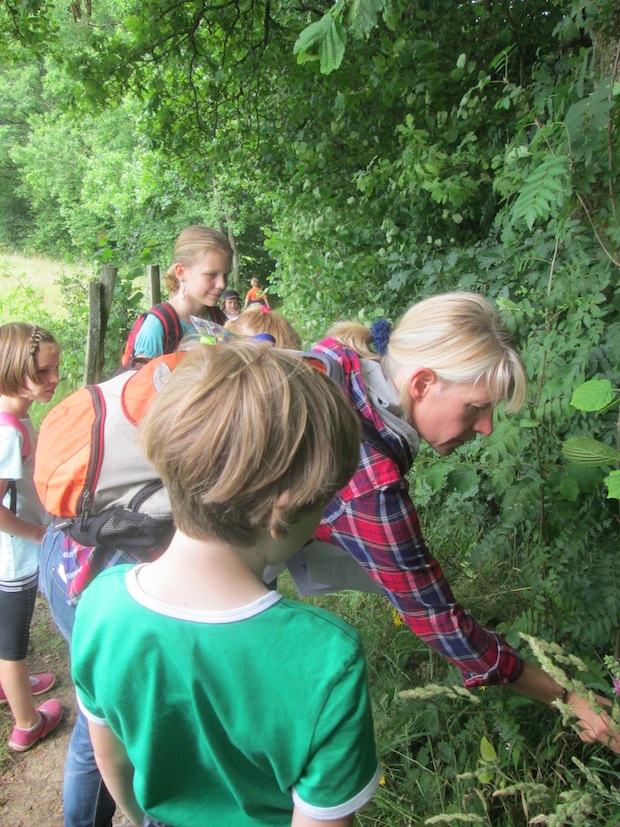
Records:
x=212, y=700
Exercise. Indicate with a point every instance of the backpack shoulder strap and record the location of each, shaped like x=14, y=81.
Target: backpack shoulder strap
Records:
x=141, y=387
x=129, y=351
x=10, y=419
x=171, y=324
x=14, y=422
x=370, y=435
x=324, y=364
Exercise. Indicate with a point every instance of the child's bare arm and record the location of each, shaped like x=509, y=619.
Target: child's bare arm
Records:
x=11, y=524
x=116, y=770
x=301, y=820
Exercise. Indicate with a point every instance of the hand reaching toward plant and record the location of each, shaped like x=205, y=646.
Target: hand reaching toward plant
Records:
x=595, y=726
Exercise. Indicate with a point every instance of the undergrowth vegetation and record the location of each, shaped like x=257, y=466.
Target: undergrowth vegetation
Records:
x=486, y=757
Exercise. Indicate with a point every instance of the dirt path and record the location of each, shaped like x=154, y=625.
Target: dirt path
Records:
x=31, y=782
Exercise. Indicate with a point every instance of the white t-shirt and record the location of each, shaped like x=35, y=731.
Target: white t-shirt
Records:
x=19, y=558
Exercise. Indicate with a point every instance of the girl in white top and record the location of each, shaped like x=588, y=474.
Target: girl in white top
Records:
x=29, y=359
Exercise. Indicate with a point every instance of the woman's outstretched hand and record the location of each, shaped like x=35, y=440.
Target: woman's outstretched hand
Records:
x=594, y=726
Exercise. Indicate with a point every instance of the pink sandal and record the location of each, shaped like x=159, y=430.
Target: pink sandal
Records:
x=50, y=714
x=38, y=685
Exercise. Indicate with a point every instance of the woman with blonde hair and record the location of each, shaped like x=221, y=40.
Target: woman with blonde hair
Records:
x=438, y=377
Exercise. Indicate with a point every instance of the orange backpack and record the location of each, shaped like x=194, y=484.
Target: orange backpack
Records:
x=89, y=471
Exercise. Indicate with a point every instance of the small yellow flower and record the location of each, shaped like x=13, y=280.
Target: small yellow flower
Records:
x=382, y=782
x=398, y=621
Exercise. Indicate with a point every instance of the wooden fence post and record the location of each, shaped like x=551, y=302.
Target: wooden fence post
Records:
x=153, y=284
x=94, y=333
x=107, y=277
x=100, y=294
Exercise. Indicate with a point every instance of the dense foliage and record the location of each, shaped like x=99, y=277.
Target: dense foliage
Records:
x=364, y=154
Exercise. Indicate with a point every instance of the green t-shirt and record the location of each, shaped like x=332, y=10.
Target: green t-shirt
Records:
x=228, y=717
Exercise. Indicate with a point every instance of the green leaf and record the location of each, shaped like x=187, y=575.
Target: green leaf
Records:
x=436, y=475
x=487, y=750
x=463, y=479
x=544, y=191
x=588, y=479
x=306, y=57
x=593, y=395
x=529, y=423
x=331, y=48
x=362, y=16
x=311, y=37
x=612, y=481
x=462, y=59
x=569, y=488
x=585, y=450
x=104, y=255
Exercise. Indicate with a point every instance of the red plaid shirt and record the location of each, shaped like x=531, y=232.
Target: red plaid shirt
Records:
x=373, y=518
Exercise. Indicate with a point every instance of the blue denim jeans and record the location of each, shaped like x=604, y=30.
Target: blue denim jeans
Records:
x=53, y=583
x=87, y=803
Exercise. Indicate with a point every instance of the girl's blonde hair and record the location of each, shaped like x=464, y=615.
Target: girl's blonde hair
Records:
x=238, y=424
x=19, y=343
x=256, y=320
x=191, y=245
x=458, y=336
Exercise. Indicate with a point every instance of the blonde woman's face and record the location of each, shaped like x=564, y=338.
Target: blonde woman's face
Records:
x=446, y=415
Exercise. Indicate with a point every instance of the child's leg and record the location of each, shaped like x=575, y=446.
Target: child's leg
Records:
x=39, y=684
x=15, y=680
x=16, y=610
x=86, y=800
x=31, y=724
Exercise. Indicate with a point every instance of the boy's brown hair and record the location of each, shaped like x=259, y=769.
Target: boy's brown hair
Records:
x=238, y=424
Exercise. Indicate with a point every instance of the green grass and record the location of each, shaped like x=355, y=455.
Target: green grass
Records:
x=52, y=295
x=20, y=275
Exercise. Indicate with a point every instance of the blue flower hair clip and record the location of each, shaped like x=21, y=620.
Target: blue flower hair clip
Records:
x=381, y=330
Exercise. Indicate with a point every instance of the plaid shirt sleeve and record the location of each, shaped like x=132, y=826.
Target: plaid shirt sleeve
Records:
x=374, y=519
